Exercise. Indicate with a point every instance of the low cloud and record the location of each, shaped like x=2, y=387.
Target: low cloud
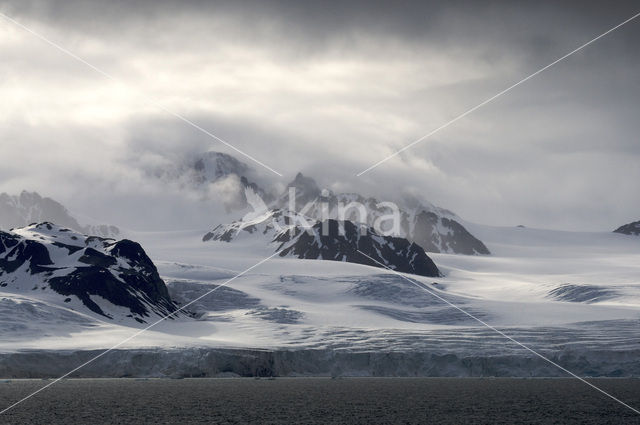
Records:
x=326, y=89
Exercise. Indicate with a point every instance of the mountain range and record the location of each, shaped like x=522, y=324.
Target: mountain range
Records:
x=65, y=294
x=293, y=235
x=29, y=207
x=434, y=229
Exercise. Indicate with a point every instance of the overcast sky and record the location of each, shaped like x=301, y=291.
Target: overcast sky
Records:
x=329, y=88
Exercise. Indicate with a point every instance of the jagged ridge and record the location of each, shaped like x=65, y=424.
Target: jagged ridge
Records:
x=434, y=229
x=329, y=240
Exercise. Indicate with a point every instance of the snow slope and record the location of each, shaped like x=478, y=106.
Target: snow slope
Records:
x=566, y=294
x=113, y=279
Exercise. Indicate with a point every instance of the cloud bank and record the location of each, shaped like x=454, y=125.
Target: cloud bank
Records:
x=328, y=89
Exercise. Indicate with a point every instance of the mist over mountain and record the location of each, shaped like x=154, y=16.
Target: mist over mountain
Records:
x=223, y=179
x=433, y=228
x=210, y=175
x=330, y=92
x=29, y=207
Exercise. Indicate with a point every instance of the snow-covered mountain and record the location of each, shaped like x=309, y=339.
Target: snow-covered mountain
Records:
x=224, y=178
x=294, y=235
x=113, y=279
x=571, y=296
x=434, y=229
x=214, y=174
x=629, y=229
x=29, y=207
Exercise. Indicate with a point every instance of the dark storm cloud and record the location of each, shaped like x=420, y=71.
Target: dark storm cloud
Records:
x=537, y=25
x=332, y=87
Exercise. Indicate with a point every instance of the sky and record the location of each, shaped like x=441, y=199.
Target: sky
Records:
x=328, y=88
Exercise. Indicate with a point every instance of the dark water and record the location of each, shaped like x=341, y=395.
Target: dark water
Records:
x=321, y=400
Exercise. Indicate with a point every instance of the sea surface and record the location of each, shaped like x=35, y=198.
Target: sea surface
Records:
x=321, y=401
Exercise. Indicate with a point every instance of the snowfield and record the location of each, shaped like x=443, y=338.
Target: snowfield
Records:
x=571, y=296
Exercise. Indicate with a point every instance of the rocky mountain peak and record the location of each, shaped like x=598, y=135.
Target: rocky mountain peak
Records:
x=629, y=229
x=294, y=235
x=114, y=279
x=306, y=190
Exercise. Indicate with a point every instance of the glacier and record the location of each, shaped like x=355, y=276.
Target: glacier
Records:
x=570, y=296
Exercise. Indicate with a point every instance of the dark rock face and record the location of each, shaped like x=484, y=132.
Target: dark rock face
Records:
x=629, y=229
x=119, y=272
x=14, y=253
x=434, y=229
x=303, y=237
x=346, y=241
